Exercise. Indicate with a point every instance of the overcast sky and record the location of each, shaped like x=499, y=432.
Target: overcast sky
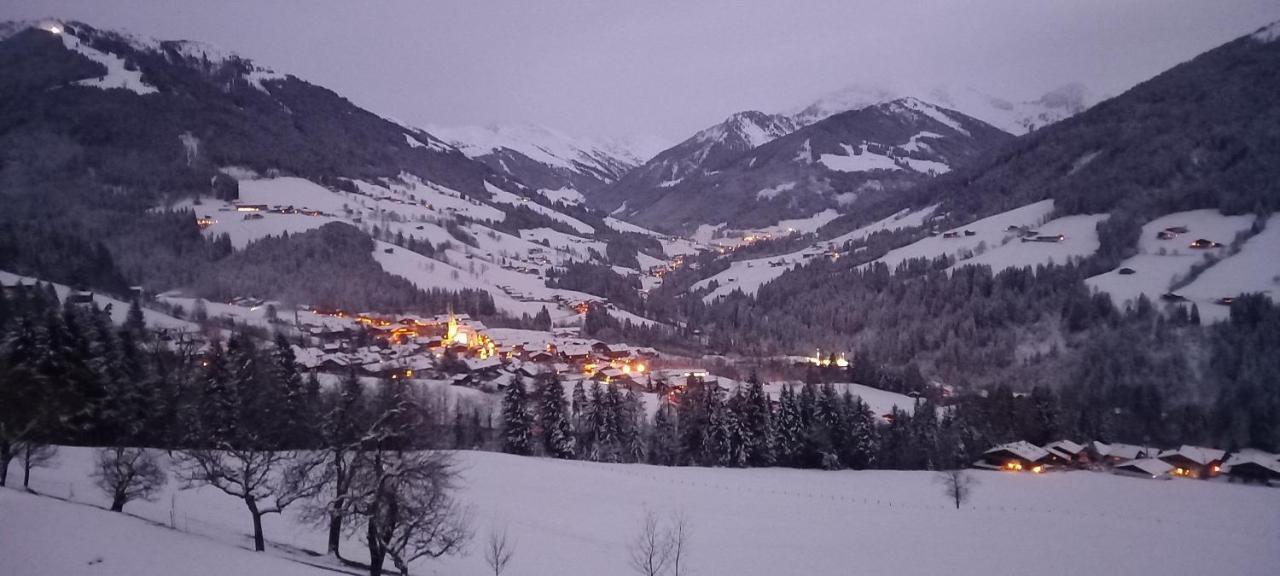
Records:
x=670, y=68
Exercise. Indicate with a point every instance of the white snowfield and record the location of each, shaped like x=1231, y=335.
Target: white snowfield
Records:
x=119, y=308
x=577, y=518
x=1080, y=240
x=1256, y=268
x=510, y=268
x=988, y=233
x=750, y=275
x=117, y=76
x=1161, y=263
x=504, y=197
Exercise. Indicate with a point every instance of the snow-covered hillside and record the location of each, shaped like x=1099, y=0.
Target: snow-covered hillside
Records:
x=560, y=166
x=1014, y=117
x=576, y=518
x=749, y=275
x=1162, y=262
x=511, y=268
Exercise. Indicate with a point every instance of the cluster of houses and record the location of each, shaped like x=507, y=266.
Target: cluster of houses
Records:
x=1173, y=232
x=462, y=350
x=1141, y=461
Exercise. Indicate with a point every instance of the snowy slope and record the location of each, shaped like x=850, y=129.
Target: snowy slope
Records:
x=119, y=308
x=1081, y=240
x=990, y=232
x=749, y=275
x=1014, y=117
x=1256, y=268
x=576, y=518
x=1161, y=263
x=67, y=538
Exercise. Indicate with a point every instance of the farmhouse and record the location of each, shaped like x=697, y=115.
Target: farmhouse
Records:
x=1253, y=466
x=1015, y=457
x=1067, y=453
x=1144, y=468
x=1194, y=461
x=1202, y=244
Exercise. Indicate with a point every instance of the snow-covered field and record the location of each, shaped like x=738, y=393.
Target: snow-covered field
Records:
x=576, y=518
x=1256, y=268
x=1161, y=263
x=750, y=275
x=988, y=233
x=119, y=308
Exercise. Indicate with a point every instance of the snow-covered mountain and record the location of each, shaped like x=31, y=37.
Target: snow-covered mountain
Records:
x=564, y=167
x=701, y=154
x=831, y=165
x=1014, y=117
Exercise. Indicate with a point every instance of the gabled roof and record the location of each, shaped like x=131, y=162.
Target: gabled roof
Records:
x=1065, y=446
x=1151, y=466
x=1198, y=454
x=1257, y=457
x=1130, y=451
x=1021, y=449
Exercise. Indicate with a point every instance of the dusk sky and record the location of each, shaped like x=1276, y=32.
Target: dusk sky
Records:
x=667, y=69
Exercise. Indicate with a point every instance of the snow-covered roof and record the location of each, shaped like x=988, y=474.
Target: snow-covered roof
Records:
x=1129, y=451
x=1198, y=454
x=1152, y=466
x=1065, y=446
x=1250, y=456
x=1021, y=449
x=475, y=364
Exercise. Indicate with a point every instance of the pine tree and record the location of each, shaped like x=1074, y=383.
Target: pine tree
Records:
x=717, y=432
x=632, y=427
x=557, y=438
x=610, y=436
x=664, y=444
x=219, y=402
x=788, y=429
x=134, y=321
x=293, y=423
x=757, y=418
x=517, y=420
x=581, y=421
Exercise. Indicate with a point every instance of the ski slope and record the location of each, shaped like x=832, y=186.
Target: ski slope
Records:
x=576, y=518
x=1161, y=263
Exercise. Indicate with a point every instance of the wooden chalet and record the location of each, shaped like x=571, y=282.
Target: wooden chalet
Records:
x=1015, y=457
x=1194, y=461
x=1144, y=468
x=1253, y=466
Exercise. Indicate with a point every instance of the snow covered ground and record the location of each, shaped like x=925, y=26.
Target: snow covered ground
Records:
x=1256, y=268
x=988, y=233
x=119, y=308
x=576, y=518
x=750, y=275
x=1161, y=263
x=1080, y=240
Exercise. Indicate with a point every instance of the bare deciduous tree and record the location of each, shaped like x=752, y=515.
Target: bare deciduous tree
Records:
x=958, y=484
x=499, y=551
x=403, y=500
x=679, y=534
x=34, y=455
x=660, y=548
x=128, y=474
x=267, y=481
x=651, y=549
